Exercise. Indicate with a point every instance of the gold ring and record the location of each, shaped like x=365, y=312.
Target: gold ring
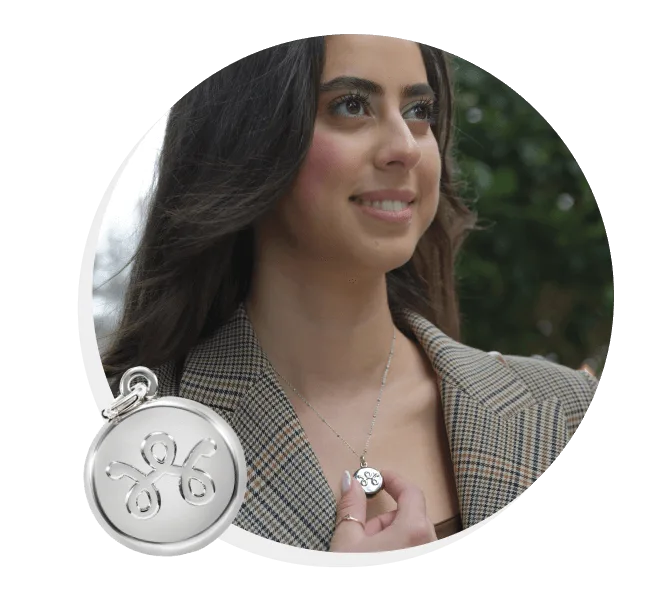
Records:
x=349, y=517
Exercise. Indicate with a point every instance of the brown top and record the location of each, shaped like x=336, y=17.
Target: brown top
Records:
x=448, y=526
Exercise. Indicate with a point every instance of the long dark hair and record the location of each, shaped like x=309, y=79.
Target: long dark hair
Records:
x=232, y=147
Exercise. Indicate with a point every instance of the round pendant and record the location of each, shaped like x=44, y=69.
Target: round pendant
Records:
x=167, y=477
x=370, y=479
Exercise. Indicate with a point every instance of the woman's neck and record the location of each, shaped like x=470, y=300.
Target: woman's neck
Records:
x=322, y=330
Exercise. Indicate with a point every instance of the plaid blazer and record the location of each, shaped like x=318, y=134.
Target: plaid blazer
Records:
x=506, y=420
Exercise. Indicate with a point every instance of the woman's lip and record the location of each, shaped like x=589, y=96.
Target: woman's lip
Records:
x=361, y=201
x=396, y=217
x=406, y=196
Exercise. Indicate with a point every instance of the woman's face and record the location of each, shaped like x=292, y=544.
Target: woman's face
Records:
x=369, y=187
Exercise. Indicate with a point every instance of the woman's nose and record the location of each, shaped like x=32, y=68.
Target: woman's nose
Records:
x=398, y=146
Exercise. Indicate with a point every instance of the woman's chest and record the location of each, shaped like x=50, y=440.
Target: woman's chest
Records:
x=407, y=436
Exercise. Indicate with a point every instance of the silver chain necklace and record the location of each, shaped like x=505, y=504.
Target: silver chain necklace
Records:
x=370, y=479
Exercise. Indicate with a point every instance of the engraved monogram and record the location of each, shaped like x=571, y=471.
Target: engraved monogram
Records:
x=158, y=451
x=366, y=477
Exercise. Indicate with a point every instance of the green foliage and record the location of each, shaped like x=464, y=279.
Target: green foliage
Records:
x=536, y=279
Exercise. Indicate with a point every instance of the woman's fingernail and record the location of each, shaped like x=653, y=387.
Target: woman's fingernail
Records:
x=346, y=480
x=586, y=368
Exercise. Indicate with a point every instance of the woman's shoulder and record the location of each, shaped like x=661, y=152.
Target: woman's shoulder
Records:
x=546, y=379
x=505, y=382
x=168, y=375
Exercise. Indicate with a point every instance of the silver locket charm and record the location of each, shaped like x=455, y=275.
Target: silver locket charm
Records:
x=164, y=476
x=370, y=479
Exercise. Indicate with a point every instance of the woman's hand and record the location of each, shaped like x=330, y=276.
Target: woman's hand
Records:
x=407, y=526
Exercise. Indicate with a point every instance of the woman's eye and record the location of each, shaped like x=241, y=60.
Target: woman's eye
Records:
x=356, y=105
x=422, y=110
x=349, y=105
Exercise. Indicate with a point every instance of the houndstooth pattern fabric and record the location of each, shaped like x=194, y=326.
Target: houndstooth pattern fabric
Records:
x=506, y=420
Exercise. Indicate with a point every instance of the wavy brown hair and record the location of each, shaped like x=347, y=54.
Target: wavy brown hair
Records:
x=232, y=148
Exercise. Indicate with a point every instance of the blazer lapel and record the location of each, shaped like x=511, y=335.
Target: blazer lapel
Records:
x=501, y=439
x=288, y=498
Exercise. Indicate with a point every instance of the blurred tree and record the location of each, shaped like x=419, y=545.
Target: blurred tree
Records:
x=536, y=279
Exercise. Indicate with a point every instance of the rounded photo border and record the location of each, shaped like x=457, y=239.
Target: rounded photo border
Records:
x=234, y=539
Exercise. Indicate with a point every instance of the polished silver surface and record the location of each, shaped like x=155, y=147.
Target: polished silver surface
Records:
x=167, y=477
x=163, y=463
x=370, y=479
x=134, y=373
x=125, y=403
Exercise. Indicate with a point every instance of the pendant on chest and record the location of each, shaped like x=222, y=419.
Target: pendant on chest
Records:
x=370, y=479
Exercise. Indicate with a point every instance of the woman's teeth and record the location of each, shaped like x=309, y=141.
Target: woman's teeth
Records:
x=384, y=205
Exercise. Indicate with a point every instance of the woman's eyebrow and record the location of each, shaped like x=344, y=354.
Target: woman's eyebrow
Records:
x=368, y=86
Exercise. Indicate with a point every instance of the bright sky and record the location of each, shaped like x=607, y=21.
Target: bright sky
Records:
x=122, y=217
x=122, y=214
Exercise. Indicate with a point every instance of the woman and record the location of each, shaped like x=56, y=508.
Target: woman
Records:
x=295, y=274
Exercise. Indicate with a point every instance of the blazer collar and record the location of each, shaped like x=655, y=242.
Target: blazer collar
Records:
x=230, y=373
